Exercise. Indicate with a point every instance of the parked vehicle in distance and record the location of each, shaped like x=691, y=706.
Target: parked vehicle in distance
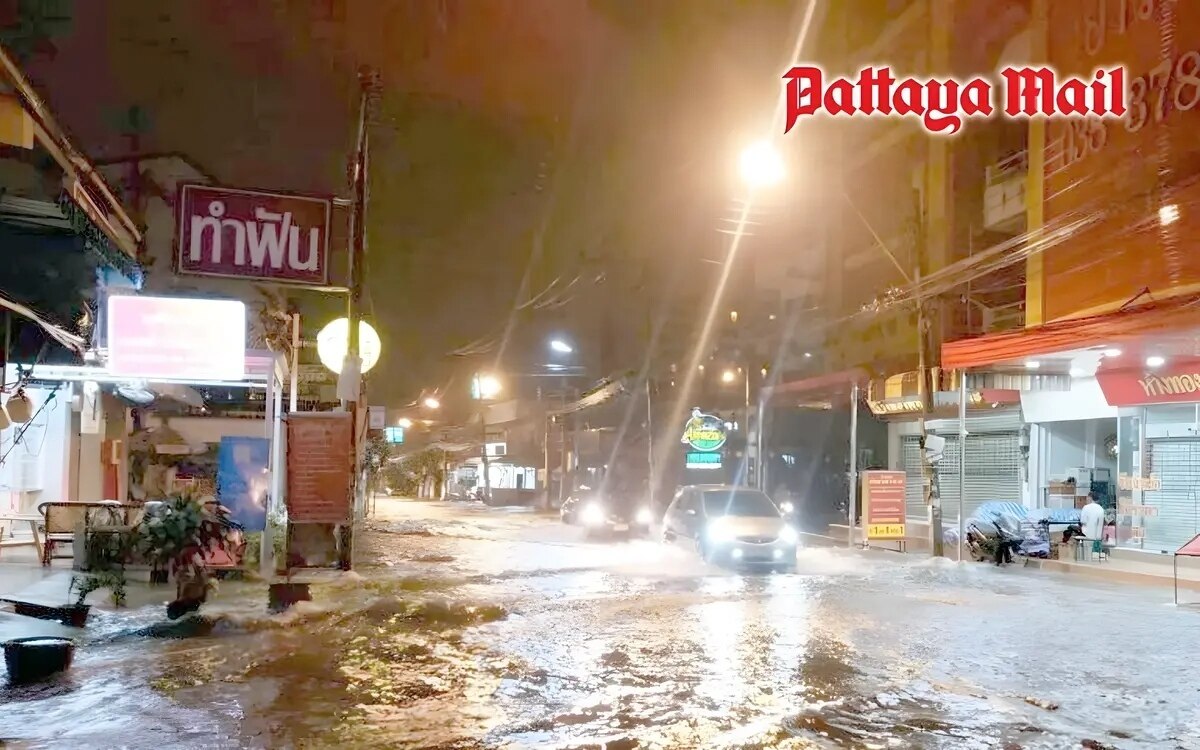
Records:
x=607, y=513
x=732, y=525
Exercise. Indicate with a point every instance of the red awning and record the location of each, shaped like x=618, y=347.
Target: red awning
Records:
x=1156, y=319
x=822, y=385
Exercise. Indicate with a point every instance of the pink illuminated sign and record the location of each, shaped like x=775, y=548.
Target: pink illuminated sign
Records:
x=176, y=338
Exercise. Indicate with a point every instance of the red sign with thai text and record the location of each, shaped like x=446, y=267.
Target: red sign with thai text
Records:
x=883, y=504
x=1177, y=382
x=253, y=234
x=320, y=466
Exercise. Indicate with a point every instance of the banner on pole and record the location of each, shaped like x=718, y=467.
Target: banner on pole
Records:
x=883, y=504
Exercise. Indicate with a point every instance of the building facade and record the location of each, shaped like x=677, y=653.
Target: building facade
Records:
x=1110, y=284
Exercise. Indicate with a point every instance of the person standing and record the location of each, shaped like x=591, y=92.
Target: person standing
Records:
x=1091, y=519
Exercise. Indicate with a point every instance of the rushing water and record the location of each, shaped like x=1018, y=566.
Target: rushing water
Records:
x=489, y=629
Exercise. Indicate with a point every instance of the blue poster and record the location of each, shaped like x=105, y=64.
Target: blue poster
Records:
x=243, y=479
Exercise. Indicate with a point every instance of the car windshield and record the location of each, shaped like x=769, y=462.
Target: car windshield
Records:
x=738, y=503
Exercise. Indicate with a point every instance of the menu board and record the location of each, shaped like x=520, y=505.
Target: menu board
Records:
x=320, y=467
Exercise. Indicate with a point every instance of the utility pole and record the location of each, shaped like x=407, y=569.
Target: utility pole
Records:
x=649, y=443
x=548, y=425
x=483, y=453
x=351, y=389
x=751, y=463
x=933, y=497
x=852, y=500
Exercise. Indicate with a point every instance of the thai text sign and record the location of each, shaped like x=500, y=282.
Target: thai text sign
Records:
x=252, y=234
x=1128, y=483
x=176, y=338
x=883, y=504
x=320, y=465
x=1140, y=511
x=1177, y=383
x=702, y=460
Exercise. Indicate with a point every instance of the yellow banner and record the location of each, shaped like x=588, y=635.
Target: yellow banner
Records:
x=885, y=531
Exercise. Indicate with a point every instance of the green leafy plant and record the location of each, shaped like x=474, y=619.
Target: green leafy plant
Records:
x=178, y=536
x=105, y=554
x=113, y=580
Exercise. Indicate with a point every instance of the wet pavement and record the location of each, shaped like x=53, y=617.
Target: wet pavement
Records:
x=467, y=627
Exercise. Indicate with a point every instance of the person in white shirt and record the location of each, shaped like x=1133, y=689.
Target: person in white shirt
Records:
x=1091, y=520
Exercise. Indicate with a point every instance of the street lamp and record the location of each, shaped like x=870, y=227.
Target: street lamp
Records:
x=560, y=346
x=728, y=376
x=431, y=402
x=486, y=387
x=761, y=165
x=405, y=422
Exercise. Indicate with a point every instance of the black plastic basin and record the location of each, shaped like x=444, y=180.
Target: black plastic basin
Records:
x=36, y=658
x=73, y=615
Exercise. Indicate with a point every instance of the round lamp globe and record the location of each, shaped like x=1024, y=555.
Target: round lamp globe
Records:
x=334, y=340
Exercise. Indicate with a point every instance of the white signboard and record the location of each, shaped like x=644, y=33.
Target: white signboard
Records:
x=376, y=417
x=176, y=338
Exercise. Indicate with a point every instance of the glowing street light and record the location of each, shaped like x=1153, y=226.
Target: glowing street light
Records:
x=486, y=387
x=405, y=422
x=431, y=402
x=728, y=376
x=761, y=165
x=561, y=346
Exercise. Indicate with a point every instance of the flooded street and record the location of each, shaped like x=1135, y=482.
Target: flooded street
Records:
x=468, y=627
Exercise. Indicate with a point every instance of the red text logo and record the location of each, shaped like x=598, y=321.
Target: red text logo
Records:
x=944, y=104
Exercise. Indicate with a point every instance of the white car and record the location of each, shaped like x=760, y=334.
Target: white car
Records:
x=732, y=525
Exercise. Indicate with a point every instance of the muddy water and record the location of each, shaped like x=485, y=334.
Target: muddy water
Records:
x=467, y=628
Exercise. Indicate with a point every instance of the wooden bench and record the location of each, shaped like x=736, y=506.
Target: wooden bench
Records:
x=64, y=520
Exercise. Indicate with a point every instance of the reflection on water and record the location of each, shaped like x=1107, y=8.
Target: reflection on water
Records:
x=624, y=645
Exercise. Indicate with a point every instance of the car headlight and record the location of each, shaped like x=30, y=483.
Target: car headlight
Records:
x=719, y=532
x=787, y=507
x=789, y=535
x=645, y=517
x=593, y=514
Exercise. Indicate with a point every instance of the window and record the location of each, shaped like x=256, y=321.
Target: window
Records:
x=739, y=503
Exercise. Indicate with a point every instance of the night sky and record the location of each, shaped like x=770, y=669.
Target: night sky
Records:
x=606, y=128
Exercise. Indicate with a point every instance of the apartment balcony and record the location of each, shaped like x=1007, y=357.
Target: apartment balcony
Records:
x=1004, y=194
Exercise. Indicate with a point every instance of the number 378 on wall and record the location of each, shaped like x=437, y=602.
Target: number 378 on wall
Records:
x=1170, y=85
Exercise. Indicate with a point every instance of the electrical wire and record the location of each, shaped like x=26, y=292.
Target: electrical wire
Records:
x=25, y=427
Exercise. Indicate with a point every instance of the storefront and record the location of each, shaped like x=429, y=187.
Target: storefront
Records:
x=143, y=422
x=1115, y=412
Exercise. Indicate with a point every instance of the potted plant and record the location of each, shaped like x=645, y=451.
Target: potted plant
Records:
x=177, y=539
x=113, y=580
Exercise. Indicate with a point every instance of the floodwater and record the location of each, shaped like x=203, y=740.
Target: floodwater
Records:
x=475, y=628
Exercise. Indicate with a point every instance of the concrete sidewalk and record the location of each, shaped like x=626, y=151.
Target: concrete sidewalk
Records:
x=1127, y=566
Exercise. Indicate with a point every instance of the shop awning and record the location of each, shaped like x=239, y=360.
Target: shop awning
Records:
x=828, y=385
x=1156, y=319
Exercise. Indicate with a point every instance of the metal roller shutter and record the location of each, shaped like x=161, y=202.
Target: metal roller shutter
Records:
x=995, y=420
x=1176, y=463
x=914, y=496
x=993, y=472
